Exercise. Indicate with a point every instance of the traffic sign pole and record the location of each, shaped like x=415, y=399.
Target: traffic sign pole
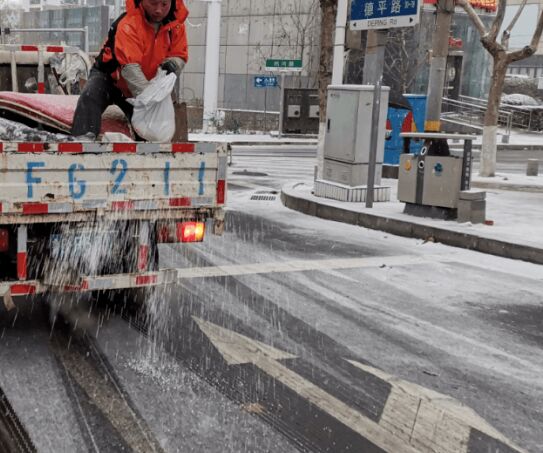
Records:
x=282, y=105
x=377, y=16
x=266, y=110
x=375, y=119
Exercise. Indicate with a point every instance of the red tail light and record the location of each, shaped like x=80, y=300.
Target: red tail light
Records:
x=168, y=233
x=4, y=240
x=190, y=231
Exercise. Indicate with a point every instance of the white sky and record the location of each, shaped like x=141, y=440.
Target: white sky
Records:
x=522, y=32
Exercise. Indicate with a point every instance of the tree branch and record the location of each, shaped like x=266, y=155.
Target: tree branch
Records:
x=507, y=32
x=498, y=20
x=528, y=51
x=537, y=33
x=466, y=6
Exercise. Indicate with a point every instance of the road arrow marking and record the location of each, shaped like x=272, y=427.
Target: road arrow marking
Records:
x=238, y=349
x=428, y=420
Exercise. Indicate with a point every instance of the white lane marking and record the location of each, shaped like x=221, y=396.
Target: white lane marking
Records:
x=244, y=184
x=307, y=265
x=238, y=349
x=428, y=420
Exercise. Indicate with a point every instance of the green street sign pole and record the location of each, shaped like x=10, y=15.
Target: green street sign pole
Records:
x=282, y=106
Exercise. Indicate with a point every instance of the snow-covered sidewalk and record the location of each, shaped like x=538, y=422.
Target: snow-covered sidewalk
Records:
x=516, y=217
x=271, y=139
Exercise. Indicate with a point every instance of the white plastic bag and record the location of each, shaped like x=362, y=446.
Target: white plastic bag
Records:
x=154, y=117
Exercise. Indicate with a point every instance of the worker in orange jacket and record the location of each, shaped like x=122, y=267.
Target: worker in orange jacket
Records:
x=150, y=35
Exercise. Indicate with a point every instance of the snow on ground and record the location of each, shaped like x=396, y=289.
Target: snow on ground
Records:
x=512, y=180
x=517, y=216
x=248, y=138
x=517, y=137
x=352, y=234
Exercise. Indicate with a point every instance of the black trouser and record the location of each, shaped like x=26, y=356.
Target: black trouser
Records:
x=98, y=93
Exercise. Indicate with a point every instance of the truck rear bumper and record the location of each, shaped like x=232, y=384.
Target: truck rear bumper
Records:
x=11, y=289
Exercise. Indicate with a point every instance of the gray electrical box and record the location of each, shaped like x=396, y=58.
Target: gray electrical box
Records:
x=348, y=133
x=301, y=111
x=348, y=124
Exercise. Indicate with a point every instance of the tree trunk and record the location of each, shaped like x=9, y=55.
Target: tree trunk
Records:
x=490, y=125
x=328, y=20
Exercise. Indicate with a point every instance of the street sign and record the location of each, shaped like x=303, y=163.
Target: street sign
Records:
x=265, y=81
x=382, y=14
x=283, y=65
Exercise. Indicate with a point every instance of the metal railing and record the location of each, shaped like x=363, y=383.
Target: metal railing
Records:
x=529, y=118
x=473, y=113
x=84, y=30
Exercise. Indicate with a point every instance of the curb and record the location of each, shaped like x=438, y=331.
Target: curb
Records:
x=413, y=230
x=288, y=143
x=510, y=187
x=506, y=147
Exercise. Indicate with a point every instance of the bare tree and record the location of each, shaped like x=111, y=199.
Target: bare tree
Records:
x=502, y=57
x=298, y=30
x=328, y=20
x=295, y=36
x=403, y=59
x=10, y=15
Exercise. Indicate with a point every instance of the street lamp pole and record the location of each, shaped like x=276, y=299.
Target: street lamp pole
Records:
x=211, y=76
x=339, y=42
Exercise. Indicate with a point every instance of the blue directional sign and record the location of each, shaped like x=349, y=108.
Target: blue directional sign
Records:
x=265, y=81
x=379, y=14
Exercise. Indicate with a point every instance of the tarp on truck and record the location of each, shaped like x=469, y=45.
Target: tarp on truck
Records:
x=56, y=111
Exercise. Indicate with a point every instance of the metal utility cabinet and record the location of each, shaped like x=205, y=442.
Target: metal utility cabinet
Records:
x=301, y=111
x=348, y=130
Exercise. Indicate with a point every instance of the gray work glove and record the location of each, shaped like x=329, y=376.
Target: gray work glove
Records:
x=173, y=64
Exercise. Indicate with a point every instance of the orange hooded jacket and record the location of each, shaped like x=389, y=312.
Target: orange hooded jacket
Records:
x=135, y=42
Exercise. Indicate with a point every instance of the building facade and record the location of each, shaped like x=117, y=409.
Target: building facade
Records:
x=97, y=18
x=28, y=5
x=251, y=32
